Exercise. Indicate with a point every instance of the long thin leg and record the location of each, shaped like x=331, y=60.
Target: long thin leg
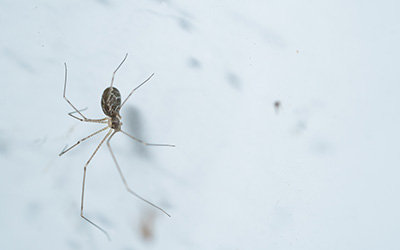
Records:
x=112, y=79
x=136, y=89
x=81, y=140
x=83, y=186
x=124, y=181
x=73, y=112
x=145, y=143
x=104, y=120
x=77, y=111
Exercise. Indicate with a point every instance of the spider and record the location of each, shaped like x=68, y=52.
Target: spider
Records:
x=111, y=105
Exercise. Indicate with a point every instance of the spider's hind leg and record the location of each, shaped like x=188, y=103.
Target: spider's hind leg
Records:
x=83, y=185
x=126, y=183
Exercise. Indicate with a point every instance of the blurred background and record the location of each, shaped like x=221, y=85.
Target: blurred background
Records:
x=284, y=115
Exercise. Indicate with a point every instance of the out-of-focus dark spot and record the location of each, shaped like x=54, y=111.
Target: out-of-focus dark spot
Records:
x=269, y=36
x=19, y=60
x=299, y=127
x=161, y=1
x=104, y=2
x=277, y=106
x=40, y=141
x=320, y=147
x=234, y=80
x=147, y=226
x=181, y=18
x=135, y=127
x=194, y=63
x=185, y=24
x=73, y=245
x=33, y=210
x=3, y=145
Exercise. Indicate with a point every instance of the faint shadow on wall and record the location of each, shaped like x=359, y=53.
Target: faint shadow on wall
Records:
x=181, y=18
x=133, y=124
x=193, y=63
x=19, y=60
x=3, y=145
x=234, y=80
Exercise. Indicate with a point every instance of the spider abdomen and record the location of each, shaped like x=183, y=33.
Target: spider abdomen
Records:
x=111, y=102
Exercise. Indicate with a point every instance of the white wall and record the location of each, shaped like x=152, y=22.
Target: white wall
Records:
x=320, y=173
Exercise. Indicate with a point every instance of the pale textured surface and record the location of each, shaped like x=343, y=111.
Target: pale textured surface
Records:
x=322, y=172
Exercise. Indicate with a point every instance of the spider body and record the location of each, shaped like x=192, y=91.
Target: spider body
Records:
x=111, y=105
x=111, y=102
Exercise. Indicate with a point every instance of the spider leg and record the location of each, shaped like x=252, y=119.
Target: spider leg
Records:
x=146, y=143
x=136, y=89
x=112, y=79
x=124, y=180
x=83, y=119
x=104, y=120
x=73, y=112
x=83, y=186
x=81, y=140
